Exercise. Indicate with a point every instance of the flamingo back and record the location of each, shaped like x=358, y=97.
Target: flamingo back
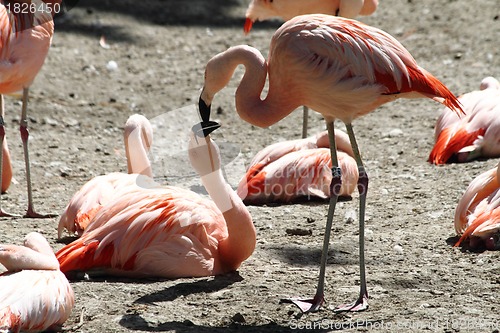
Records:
x=301, y=173
x=166, y=232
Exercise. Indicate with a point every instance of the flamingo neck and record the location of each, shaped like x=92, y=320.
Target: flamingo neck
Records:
x=249, y=105
x=136, y=149
x=241, y=238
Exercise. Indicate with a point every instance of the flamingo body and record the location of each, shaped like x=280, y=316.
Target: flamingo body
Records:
x=25, y=38
x=34, y=294
x=289, y=170
x=85, y=203
x=260, y=10
x=477, y=134
x=167, y=232
x=477, y=216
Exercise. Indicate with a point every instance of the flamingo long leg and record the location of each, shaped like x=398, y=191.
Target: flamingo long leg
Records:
x=311, y=305
x=30, y=212
x=2, y=138
x=362, y=302
x=305, y=120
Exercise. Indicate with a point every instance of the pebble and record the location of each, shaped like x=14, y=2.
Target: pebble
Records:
x=112, y=66
x=398, y=249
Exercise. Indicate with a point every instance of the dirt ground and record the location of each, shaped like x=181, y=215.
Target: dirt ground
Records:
x=153, y=64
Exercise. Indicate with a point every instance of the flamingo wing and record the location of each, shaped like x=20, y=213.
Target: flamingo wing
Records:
x=356, y=59
x=34, y=300
x=297, y=174
x=165, y=232
x=475, y=134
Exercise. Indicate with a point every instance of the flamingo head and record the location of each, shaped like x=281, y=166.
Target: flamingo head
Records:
x=260, y=10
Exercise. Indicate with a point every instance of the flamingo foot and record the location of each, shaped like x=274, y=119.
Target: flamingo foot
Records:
x=5, y=214
x=30, y=213
x=306, y=305
x=360, y=305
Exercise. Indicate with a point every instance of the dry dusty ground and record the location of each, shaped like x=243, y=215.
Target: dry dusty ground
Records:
x=77, y=111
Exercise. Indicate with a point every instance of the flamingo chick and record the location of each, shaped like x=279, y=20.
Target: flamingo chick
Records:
x=169, y=232
x=475, y=135
x=340, y=68
x=260, y=10
x=34, y=294
x=25, y=40
x=289, y=170
x=477, y=216
x=84, y=205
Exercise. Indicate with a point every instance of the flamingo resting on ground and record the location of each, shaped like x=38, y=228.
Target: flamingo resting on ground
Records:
x=84, y=205
x=477, y=216
x=341, y=68
x=260, y=10
x=168, y=232
x=289, y=170
x=25, y=39
x=475, y=135
x=34, y=294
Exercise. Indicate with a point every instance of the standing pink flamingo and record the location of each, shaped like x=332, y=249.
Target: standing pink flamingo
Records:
x=260, y=10
x=285, y=171
x=168, y=232
x=34, y=294
x=341, y=68
x=84, y=205
x=475, y=135
x=25, y=39
x=477, y=216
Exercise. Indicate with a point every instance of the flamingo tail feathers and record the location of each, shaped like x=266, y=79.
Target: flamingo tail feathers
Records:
x=81, y=256
x=429, y=85
x=449, y=143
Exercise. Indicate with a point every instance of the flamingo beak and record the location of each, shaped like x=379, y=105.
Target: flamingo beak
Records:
x=204, y=110
x=248, y=25
x=204, y=128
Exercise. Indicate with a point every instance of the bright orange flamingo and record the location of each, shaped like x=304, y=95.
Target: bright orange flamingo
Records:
x=341, y=68
x=260, y=10
x=26, y=33
x=84, y=205
x=475, y=135
x=477, y=216
x=168, y=232
x=289, y=170
x=34, y=294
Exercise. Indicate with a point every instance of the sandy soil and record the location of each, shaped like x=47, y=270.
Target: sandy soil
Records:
x=80, y=101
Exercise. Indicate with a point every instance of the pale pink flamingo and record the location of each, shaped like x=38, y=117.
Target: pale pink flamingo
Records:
x=34, y=294
x=477, y=216
x=168, y=232
x=138, y=137
x=339, y=67
x=25, y=38
x=289, y=170
x=475, y=135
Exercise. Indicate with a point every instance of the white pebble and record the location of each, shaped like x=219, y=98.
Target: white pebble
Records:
x=111, y=66
x=398, y=249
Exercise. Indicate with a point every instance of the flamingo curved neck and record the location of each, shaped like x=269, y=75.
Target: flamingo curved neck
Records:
x=137, y=153
x=249, y=105
x=241, y=239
